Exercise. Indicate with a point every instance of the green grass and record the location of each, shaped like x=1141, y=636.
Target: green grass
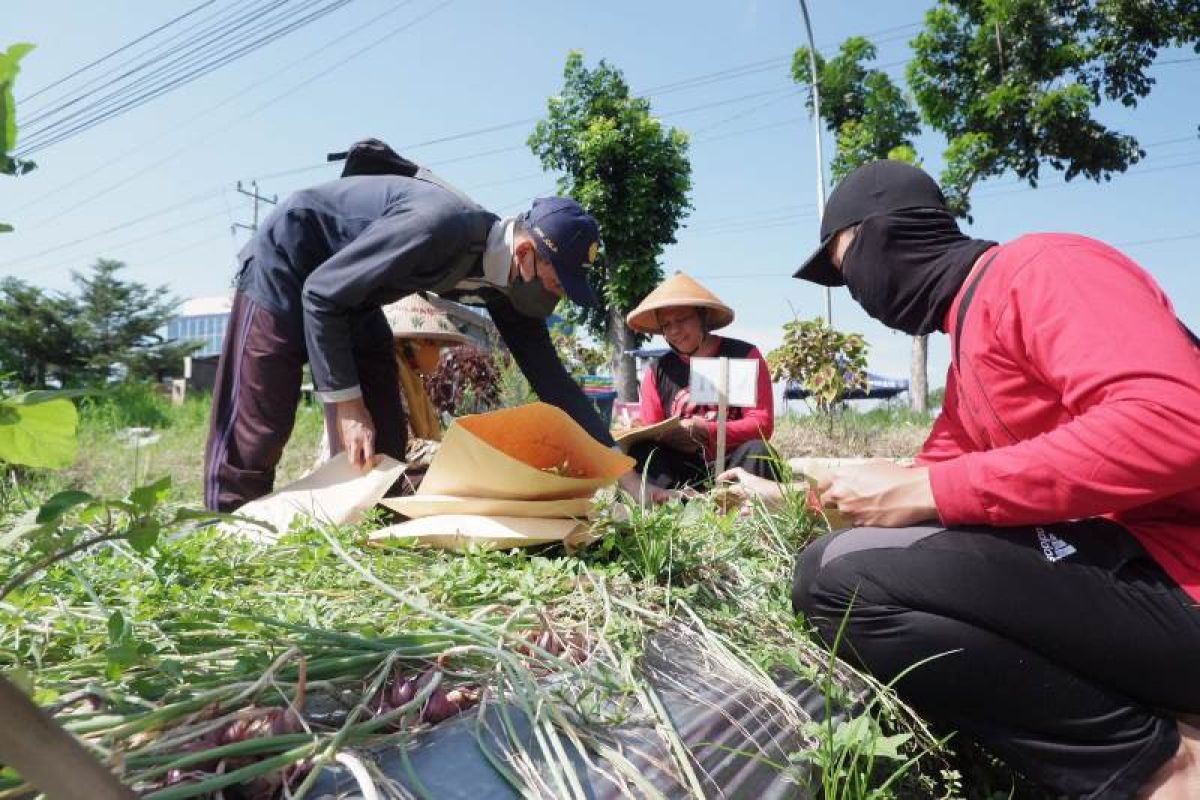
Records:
x=108, y=460
x=150, y=633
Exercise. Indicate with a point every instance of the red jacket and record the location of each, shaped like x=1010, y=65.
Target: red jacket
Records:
x=743, y=424
x=1076, y=394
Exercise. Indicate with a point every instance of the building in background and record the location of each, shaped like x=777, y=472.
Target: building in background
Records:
x=203, y=320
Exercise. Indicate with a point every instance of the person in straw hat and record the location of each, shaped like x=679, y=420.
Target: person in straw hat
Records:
x=686, y=314
x=420, y=331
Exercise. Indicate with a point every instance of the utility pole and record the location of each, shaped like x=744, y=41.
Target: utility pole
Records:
x=258, y=198
x=816, y=96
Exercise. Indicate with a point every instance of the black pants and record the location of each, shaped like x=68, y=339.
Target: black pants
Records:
x=669, y=468
x=1064, y=649
x=258, y=389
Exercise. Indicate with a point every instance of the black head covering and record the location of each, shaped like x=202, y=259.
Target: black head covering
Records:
x=905, y=267
x=874, y=188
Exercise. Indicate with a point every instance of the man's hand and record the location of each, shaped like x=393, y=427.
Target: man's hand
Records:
x=752, y=486
x=357, y=432
x=631, y=482
x=882, y=494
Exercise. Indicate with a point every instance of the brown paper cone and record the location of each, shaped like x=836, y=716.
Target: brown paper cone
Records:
x=419, y=505
x=517, y=453
x=461, y=531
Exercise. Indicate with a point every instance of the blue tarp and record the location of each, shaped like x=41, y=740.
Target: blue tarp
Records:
x=879, y=388
x=735, y=737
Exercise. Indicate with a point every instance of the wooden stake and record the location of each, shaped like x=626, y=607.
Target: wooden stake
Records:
x=722, y=413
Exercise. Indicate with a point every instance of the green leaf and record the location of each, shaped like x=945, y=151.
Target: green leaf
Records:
x=119, y=656
x=116, y=627
x=9, y=67
x=146, y=498
x=61, y=503
x=143, y=534
x=38, y=434
x=92, y=512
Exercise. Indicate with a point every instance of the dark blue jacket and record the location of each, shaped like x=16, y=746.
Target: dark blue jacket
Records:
x=328, y=258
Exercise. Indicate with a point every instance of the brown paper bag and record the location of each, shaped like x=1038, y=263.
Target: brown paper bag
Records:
x=626, y=439
x=428, y=505
x=531, y=452
x=461, y=531
x=336, y=493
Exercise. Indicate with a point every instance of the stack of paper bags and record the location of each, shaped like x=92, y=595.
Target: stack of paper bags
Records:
x=510, y=478
x=336, y=493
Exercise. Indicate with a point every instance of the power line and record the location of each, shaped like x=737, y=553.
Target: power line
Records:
x=119, y=245
x=762, y=219
x=140, y=148
x=526, y=120
x=304, y=83
x=160, y=51
x=103, y=109
x=112, y=53
x=512, y=148
x=733, y=72
x=787, y=273
x=198, y=62
x=128, y=224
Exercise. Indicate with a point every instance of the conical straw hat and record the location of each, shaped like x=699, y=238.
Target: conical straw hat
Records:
x=678, y=291
x=414, y=317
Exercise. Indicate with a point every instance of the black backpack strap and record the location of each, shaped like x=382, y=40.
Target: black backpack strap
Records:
x=965, y=303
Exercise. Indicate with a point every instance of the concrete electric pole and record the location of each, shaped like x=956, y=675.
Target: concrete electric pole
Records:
x=816, y=96
x=258, y=198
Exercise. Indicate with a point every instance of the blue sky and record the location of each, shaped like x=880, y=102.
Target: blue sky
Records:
x=164, y=175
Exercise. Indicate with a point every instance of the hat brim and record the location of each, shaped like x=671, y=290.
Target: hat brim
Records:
x=434, y=336
x=573, y=281
x=819, y=267
x=644, y=319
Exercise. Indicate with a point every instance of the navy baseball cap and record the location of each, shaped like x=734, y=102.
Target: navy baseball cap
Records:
x=875, y=188
x=569, y=238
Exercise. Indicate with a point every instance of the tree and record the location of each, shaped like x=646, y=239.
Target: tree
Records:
x=117, y=326
x=870, y=118
x=37, y=335
x=869, y=115
x=1013, y=84
x=633, y=175
x=9, y=67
